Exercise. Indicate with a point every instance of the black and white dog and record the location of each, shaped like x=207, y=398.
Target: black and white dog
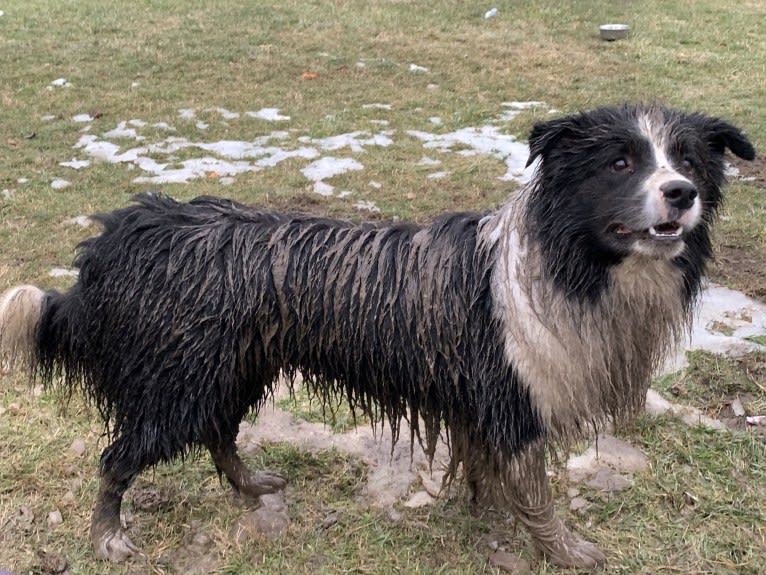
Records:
x=508, y=331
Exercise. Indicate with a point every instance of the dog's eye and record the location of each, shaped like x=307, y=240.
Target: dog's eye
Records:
x=620, y=165
x=687, y=164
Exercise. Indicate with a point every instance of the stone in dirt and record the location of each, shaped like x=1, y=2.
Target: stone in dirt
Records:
x=196, y=556
x=270, y=520
x=509, y=562
x=50, y=563
x=603, y=467
x=419, y=499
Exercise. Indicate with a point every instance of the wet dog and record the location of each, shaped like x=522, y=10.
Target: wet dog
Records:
x=506, y=331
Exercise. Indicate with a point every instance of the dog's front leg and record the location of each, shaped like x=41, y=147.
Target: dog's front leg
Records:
x=528, y=490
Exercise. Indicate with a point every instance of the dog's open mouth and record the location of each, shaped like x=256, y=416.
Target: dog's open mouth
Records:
x=667, y=231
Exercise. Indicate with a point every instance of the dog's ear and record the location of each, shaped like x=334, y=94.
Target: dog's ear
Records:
x=545, y=135
x=721, y=135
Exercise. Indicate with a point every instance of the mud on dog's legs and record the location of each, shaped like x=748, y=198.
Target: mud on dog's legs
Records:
x=244, y=480
x=107, y=536
x=528, y=491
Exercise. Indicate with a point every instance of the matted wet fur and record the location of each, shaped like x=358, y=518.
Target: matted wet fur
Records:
x=505, y=331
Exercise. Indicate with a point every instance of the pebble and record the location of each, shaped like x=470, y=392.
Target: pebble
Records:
x=509, y=562
x=54, y=518
x=78, y=447
x=419, y=499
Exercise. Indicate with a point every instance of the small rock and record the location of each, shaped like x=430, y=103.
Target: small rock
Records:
x=579, y=504
x=55, y=519
x=679, y=389
x=738, y=408
x=609, y=481
x=573, y=492
x=60, y=184
x=394, y=516
x=273, y=501
x=50, y=563
x=270, y=520
x=419, y=499
x=330, y=520
x=756, y=419
x=506, y=561
x=78, y=447
x=68, y=498
x=24, y=518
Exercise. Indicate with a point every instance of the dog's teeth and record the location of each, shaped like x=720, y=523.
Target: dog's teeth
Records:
x=669, y=234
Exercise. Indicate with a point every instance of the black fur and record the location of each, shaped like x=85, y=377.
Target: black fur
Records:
x=184, y=315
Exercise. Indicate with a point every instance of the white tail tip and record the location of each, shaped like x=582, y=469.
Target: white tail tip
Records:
x=20, y=310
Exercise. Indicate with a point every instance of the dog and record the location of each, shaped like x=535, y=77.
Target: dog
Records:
x=507, y=332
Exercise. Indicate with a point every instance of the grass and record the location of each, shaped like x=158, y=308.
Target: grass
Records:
x=701, y=507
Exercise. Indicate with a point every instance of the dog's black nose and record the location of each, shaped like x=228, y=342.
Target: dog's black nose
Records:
x=679, y=194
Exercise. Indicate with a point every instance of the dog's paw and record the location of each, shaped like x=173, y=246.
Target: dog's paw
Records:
x=115, y=546
x=259, y=483
x=571, y=551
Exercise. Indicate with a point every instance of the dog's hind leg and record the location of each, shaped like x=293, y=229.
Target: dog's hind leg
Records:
x=528, y=490
x=244, y=480
x=109, y=540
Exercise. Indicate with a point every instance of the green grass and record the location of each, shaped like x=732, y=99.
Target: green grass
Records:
x=700, y=508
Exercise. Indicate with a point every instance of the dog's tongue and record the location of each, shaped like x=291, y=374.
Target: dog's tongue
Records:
x=623, y=230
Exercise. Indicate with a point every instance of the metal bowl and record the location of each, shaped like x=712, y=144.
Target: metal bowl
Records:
x=611, y=32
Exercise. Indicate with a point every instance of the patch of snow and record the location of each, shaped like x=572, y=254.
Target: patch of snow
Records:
x=418, y=69
x=60, y=184
x=376, y=185
x=186, y=113
x=376, y=106
x=491, y=13
x=137, y=123
x=380, y=122
x=163, y=126
x=8, y=194
x=426, y=161
x=437, y=175
x=328, y=167
x=122, y=131
x=226, y=114
x=367, y=206
x=82, y=221
x=435, y=120
x=82, y=118
x=47, y=118
x=516, y=108
x=135, y=84
x=61, y=83
x=22, y=181
x=485, y=140
x=355, y=141
x=75, y=164
x=190, y=169
x=201, y=125
x=268, y=114
x=227, y=181
x=62, y=272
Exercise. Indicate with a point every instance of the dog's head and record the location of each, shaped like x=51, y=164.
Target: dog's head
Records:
x=633, y=179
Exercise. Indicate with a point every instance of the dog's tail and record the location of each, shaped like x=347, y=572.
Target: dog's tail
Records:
x=21, y=309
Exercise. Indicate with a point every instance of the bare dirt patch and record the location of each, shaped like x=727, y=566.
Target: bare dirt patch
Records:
x=744, y=267
x=753, y=172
